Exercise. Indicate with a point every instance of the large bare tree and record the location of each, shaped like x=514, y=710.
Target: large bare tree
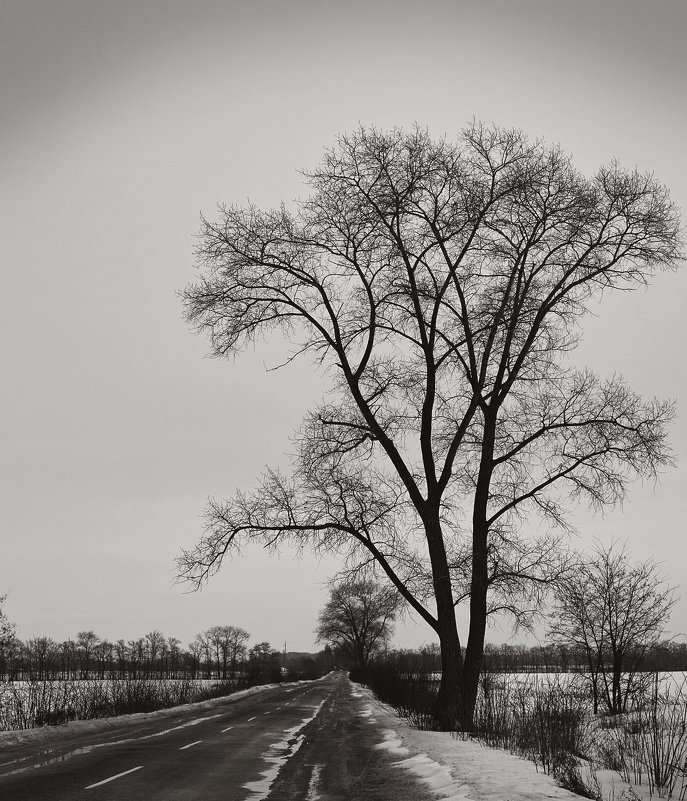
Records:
x=443, y=284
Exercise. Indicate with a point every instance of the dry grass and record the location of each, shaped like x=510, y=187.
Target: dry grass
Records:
x=28, y=704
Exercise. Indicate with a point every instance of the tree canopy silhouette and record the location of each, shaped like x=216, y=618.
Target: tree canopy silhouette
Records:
x=443, y=285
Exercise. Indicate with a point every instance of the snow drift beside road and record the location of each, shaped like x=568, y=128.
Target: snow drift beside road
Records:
x=458, y=770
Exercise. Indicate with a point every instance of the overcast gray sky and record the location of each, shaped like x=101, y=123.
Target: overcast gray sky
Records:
x=121, y=122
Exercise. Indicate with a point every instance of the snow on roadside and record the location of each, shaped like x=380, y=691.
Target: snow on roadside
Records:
x=45, y=735
x=392, y=742
x=458, y=770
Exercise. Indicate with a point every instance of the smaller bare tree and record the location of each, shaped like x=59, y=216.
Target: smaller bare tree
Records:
x=122, y=655
x=7, y=629
x=236, y=646
x=358, y=619
x=174, y=656
x=614, y=611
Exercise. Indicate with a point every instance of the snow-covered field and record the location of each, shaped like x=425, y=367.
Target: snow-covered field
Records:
x=646, y=747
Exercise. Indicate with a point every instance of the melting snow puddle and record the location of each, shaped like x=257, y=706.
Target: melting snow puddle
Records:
x=48, y=761
x=279, y=754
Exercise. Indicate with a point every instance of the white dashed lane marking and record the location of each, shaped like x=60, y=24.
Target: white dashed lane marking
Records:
x=190, y=744
x=112, y=778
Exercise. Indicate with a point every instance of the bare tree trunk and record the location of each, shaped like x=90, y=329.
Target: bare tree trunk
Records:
x=474, y=651
x=449, y=711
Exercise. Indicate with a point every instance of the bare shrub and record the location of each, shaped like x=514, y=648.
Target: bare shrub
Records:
x=649, y=746
x=412, y=696
x=543, y=720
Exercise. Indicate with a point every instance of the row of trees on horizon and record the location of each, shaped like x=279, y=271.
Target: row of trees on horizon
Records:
x=666, y=656
x=212, y=655
x=220, y=652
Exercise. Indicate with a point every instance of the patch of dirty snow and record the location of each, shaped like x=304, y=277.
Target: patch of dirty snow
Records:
x=313, y=794
x=278, y=755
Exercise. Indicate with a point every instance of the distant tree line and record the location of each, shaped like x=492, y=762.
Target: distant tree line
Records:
x=557, y=658
x=425, y=663
x=220, y=653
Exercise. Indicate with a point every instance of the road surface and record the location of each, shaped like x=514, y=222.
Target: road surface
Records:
x=312, y=741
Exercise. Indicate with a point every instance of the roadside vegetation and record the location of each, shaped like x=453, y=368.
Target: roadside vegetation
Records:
x=607, y=694
x=538, y=703
x=44, y=682
x=40, y=702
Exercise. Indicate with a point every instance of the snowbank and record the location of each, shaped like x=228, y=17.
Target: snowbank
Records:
x=455, y=769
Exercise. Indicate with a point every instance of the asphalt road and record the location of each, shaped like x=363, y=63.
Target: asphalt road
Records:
x=311, y=741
